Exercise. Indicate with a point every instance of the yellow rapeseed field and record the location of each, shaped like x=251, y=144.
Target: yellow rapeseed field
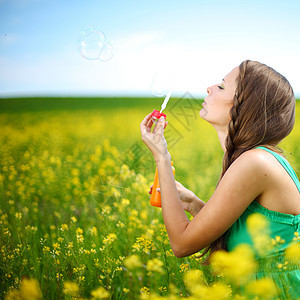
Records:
x=75, y=218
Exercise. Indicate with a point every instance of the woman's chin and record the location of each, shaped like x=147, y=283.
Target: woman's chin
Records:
x=203, y=113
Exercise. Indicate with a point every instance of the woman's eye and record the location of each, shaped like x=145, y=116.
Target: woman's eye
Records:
x=220, y=87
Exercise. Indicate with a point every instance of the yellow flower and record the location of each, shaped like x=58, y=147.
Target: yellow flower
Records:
x=264, y=287
x=257, y=223
x=150, y=232
x=258, y=227
x=125, y=202
x=98, y=150
x=73, y=219
x=71, y=288
x=75, y=181
x=184, y=267
x=132, y=262
x=93, y=231
x=79, y=231
x=46, y=249
x=163, y=289
x=134, y=212
x=100, y=293
x=219, y=291
x=145, y=290
x=236, y=265
x=56, y=246
x=155, y=265
x=18, y=215
x=296, y=236
x=109, y=239
x=30, y=290
x=144, y=214
x=143, y=244
x=75, y=172
x=292, y=253
x=64, y=227
x=192, y=279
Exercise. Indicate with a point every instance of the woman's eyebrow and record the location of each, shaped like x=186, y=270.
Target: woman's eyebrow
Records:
x=223, y=80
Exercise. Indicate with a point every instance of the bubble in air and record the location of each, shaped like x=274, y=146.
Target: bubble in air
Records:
x=107, y=52
x=162, y=83
x=93, y=45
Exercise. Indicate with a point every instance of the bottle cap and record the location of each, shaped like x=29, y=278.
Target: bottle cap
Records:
x=156, y=114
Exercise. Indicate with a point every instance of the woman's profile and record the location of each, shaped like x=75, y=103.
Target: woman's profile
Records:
x=252, y=110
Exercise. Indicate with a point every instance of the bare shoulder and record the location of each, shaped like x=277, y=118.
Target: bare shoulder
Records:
x=256, y=156
x=255, y=161
x=277, y=190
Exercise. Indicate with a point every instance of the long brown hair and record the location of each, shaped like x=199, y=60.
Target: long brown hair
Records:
x=263, y=113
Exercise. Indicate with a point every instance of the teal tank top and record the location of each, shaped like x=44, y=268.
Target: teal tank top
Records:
x=280, y=225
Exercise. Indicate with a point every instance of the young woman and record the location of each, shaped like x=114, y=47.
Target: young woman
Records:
x=252, y=110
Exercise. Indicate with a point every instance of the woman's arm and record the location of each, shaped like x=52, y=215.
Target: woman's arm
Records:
x=195, y=206
x=244, y=181
x=189, y=201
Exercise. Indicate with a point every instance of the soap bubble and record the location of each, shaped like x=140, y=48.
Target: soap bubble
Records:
x=93, y=45
x=162, y=83
x=107, y=52
x=90, y=43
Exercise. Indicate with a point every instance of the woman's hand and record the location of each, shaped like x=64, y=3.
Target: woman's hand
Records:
x=155, y=140
x=190, y=202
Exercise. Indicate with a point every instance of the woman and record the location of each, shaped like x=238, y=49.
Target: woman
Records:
x=253, y=106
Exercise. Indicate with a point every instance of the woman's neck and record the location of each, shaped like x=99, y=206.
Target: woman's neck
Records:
x=222, y=135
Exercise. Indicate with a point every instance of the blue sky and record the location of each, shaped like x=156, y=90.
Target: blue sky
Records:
x=196, y=42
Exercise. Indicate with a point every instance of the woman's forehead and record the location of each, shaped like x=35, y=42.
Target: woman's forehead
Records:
x=231, y=76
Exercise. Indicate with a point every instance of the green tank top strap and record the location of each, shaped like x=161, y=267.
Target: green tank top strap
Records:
x=285, y=164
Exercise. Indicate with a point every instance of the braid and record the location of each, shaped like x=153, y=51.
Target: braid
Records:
x=235, y=122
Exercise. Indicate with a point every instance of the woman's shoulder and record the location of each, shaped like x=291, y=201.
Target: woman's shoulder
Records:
x=251, y=167
x=256, y=159
x=260, y=164
x=268, y=166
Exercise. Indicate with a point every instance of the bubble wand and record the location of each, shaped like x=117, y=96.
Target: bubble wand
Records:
x=163, y=106
x=157, y=114
x=155, y=199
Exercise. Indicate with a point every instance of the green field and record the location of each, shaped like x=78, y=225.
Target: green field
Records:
x=75, y=217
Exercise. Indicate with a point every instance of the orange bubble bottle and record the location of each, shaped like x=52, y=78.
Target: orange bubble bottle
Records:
x=155, y=199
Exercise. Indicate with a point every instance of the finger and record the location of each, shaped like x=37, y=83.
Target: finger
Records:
x=158, y=190
x=144, y=128
x=178, y=184
x=150, y=123
x=159, y=128
x=162, y=122
x=145, y=120
x=166, y=124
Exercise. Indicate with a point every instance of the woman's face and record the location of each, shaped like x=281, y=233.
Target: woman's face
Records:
x=217, y=104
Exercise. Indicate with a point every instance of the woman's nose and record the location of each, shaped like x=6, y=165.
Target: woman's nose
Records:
x=208, y=91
